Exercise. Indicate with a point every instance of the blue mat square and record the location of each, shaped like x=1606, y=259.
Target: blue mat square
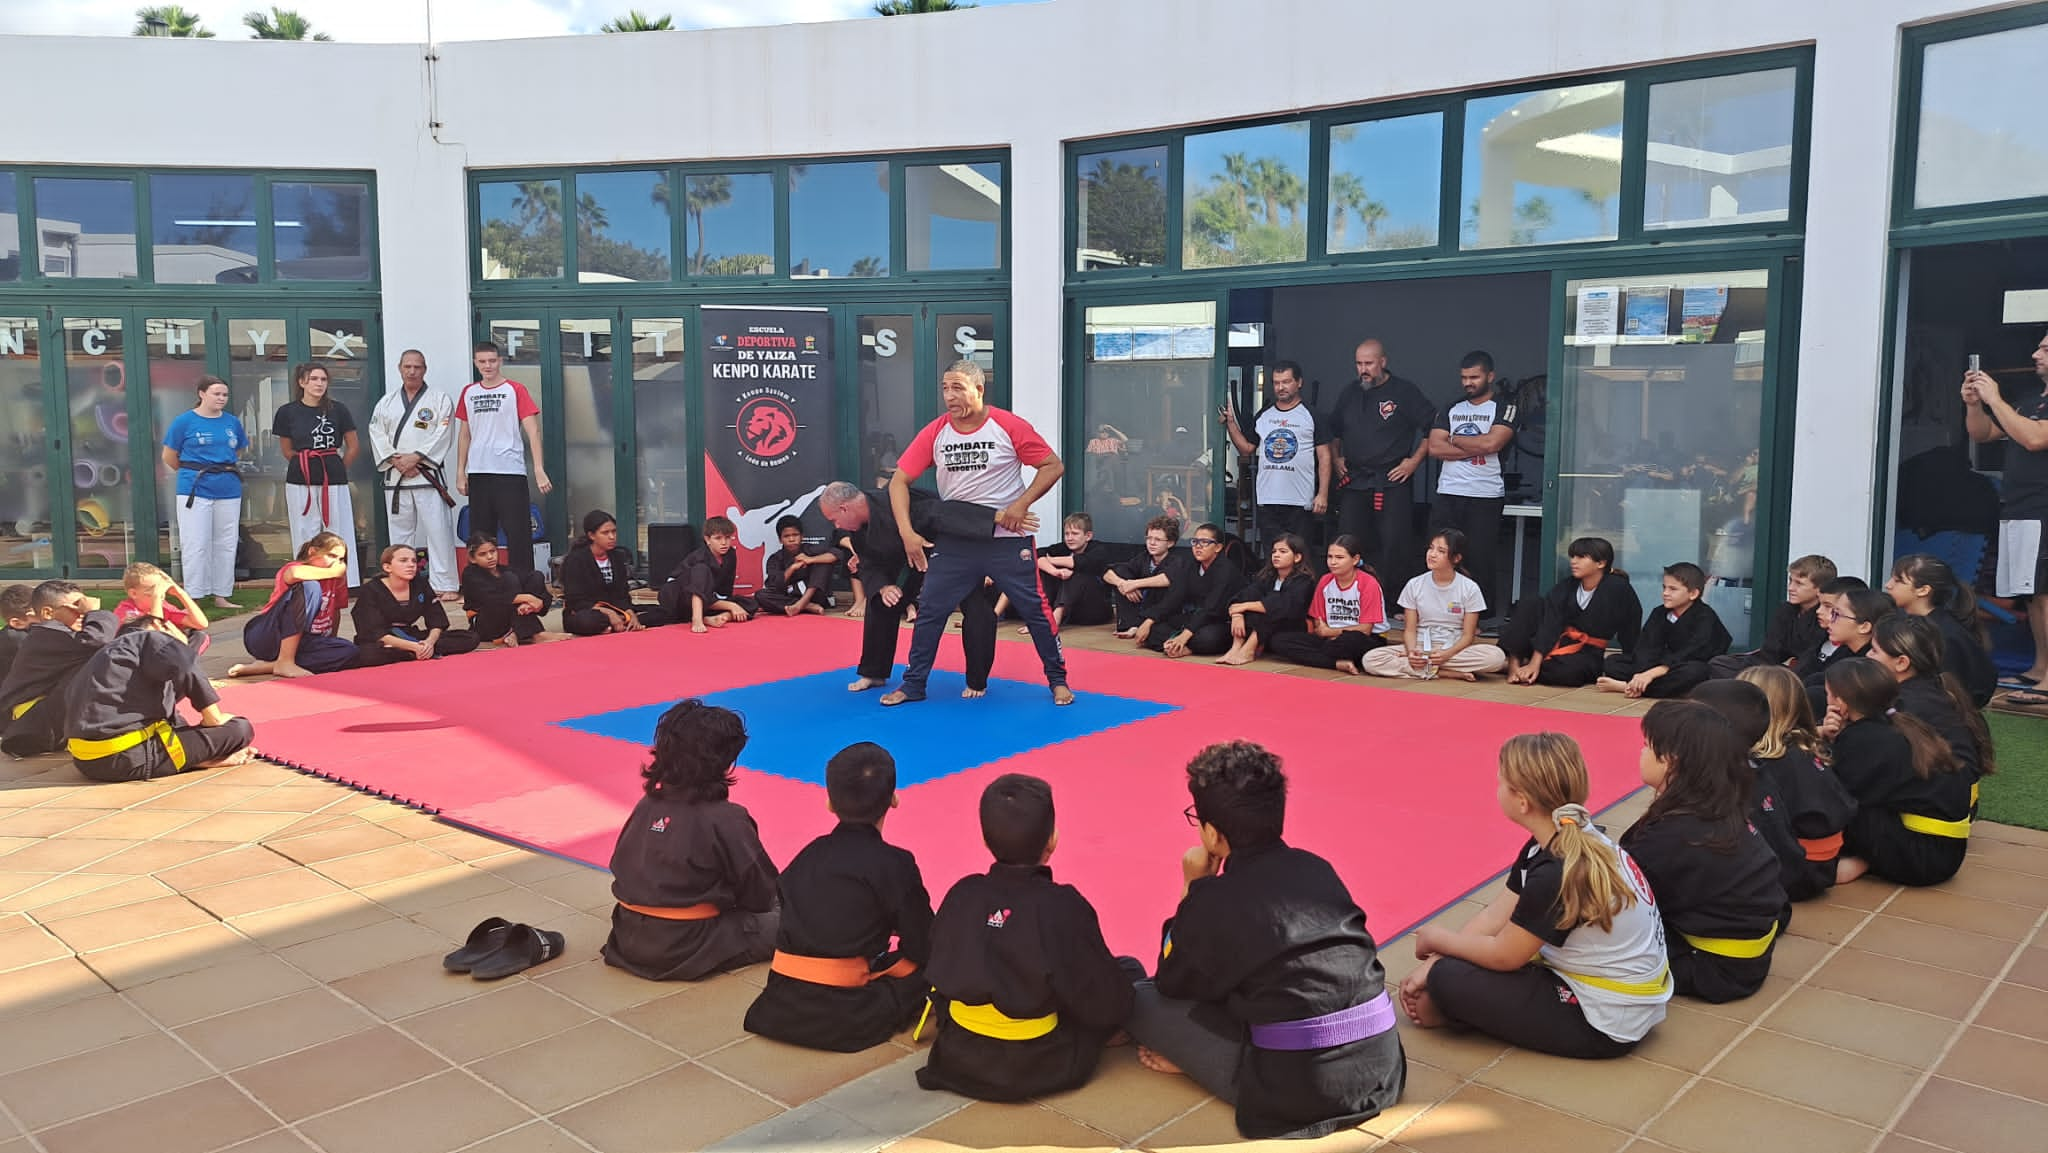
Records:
x=795, y=725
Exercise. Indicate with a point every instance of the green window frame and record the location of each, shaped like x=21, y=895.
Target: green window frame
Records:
x=267, y=281
x=778, y=169
x=1906, y=147
x=1451, y=106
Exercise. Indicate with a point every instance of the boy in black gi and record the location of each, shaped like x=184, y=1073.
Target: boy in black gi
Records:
x=1678, y=639
x=69, y=627
x=700, y=590
x=1025, y=991
x=796, y=582
x=1269, y=991
x=14, y=612
x=121, y=710
x=696, y=890
x=837, y=982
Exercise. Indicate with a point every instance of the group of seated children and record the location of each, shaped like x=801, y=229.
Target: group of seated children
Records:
x=105, y=686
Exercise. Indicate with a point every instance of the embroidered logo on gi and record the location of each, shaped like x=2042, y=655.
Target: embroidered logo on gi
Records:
x=660, y=825
x=997, y=919
x=1024, y=554
x=1387, y=409
x=1281, y=446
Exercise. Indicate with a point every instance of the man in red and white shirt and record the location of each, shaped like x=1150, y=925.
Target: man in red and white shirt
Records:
x=490, y=460
x=980, y=454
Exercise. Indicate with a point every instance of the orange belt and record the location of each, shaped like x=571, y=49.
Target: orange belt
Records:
x=1822, y=848
x=687, y=913
x=838, y=972
x=1572, y=640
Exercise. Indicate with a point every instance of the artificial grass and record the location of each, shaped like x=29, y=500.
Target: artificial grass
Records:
x=2018, y=793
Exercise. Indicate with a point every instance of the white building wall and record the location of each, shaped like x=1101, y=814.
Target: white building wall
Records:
x=1027, y=77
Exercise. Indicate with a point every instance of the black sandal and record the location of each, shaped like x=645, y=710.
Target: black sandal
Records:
x=487, y=938
x=524, y=947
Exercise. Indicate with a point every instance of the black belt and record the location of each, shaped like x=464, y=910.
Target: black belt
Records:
x=429, y=472
x=204, y=470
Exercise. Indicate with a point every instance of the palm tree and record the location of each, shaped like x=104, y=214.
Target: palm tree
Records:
x=636, y=21
x=917, y=7
x=702, y=193
x=281, y=24
x=539, y=201
x=866, y=266
x=169, y=20
x=590, y=215
x=1348, y=195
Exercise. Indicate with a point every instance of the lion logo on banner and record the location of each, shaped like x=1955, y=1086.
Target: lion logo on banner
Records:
x=766, y=427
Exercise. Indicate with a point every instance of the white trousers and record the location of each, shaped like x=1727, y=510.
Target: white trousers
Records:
x=208, y=535
x=1392, y=661
x=302, y=504
x=424, y=521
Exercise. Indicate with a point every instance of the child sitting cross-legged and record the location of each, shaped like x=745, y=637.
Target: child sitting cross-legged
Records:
x=1677, y=640
x=700, y=591
x=795, y=581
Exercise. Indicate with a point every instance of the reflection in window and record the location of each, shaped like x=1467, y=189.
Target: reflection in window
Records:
x=1980, y=120
x=660, y=404
x=586, y=412
x=839, y=220
x=25, y=541
x=971, y=336
x=1385, y=187
x=1149, y=422
x=729, y=224
x=1246, y=196
x=1122, y=204
x=322, y=231
x=202, y=228
x=10, y=230
x=953, y=216
x=887, y=364
x=342, y=347
x=259, y=381
x=176, y=351
x=1720, y=150
x=1542, y=167
x=102, y=484
x=85, y=229
x=521, y=229
x=622, y=227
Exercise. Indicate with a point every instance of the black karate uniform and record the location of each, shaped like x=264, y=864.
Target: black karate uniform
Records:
x=1375, y=428
x=1015, y=939
x=1876, y=763
x=1683, y=646
x=1200, y=604
x=1612, y=616
x=846, y=895
x=885, y=564
x=32, y=704
x=487, y=597
x=132, y=686
x=1152, y=603
x=1813, y=670
x=1792, y=631
x=1276, y=937
x=1706, y=889
x=378, y=614
x=1965, y=656
x=1815, y=807
x=1286, y=607
x=778, y=591
x=584, y=587
x=672, y=855
x=1930, y=702
x=704, y=574
x=1082, y=598
x=10, y=644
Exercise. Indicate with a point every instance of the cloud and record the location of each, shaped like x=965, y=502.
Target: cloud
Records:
x=406, y=20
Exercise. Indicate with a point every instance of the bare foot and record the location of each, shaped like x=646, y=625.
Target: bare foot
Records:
x=1125, y=634
x=899, y=697
x=1610, y=685
x=1062, y=695
x=1023, y=630
x=698, y=629
x=238, y=757
x=970, y=693
x=815, y=610
x=1349, y=668
x=1848, y=869
x=290, y=670
x=551, y=638
x=221, y=603
x=249, y=670
x=791, y=610
x=717, y=620
x=1234, y=659
x=1455, y=675
x=1151, y=1059
x=863, y=684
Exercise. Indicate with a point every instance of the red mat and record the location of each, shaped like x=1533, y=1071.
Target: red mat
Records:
x=1395, y=788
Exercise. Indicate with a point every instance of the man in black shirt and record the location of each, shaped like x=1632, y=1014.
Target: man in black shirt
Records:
x=2023, y=515
x=1381, y=429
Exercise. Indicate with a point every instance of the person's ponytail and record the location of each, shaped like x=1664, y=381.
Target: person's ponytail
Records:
x=1592, y=889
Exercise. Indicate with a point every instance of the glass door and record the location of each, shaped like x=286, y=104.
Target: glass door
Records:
x=175, y=351
x=585, y=402
x=973, y=332
x=891, y=407
x=654, y=441
x=259, y=376
x=27, y=491
x=520, y=336
x=1149, y=391
x=342, y=342
x=94, y=399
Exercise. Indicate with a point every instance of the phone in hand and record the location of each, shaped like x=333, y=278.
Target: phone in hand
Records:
x=1976, y=363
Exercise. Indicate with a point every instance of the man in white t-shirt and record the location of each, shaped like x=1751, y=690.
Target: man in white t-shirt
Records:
x=1292, y=454
x=980, y=454
x=1468, y=438
x=490, y=460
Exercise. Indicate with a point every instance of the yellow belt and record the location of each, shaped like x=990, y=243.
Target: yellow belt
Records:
x=989, y=1021
x=1935, y=826
x=93, y=750
x=1743, y=949
x=25, y=706
x=1661, y=985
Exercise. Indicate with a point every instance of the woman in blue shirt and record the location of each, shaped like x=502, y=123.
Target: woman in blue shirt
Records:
x=201, y=446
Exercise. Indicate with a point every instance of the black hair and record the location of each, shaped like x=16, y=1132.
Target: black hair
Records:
x=695, y=748
x=1165, y=524
x=860, y=781
x=1869, y=606
x=1454, y=544
x=15, y=601
x=1709, y=774
x=51, y=593
x=1597, y=549
x=1945, y=592
x=1017, y=818
x=784, y=524
x=1477, y=358
x=1214, y=530
x=486, y=346
x=1351, y=544
x=1688, y=574
x=1292, y=540
x=1289, y=367
x=1869, y=690
x=1842, y=584
x=1919, y=640
x=1238, y=787
x=1743, y=705
x=593, y=520
x=479, y=540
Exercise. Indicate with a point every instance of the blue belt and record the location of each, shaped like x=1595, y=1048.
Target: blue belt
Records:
x=1339, y=1028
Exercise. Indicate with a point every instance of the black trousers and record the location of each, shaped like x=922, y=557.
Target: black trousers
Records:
x=592, y=622
x=1304, y=648
x=37, y=731
x=1129, y=613
x=1383, y=520
x=203, y=744
x=881, y=623
x=1518, y=640
x=1478, y=517
x=492, y=624
x=773, y=596
x=1083, y=600
x=1683, y=678
x=1207, y=641
x=499, y=502
x=1277, y=520
x=453, y=643
x=1531, y=1007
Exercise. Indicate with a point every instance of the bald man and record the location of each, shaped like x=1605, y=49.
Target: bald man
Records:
x=1381, y=430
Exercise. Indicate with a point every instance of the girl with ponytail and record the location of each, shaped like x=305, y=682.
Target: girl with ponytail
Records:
x=1912, y=821
x=1788, y=763
x=1912, y=649
x=1924, y=587
x=1575, y=902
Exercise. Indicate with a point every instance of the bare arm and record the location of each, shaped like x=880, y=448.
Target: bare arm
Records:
x=2031, y=435
x=1439, y=446
x=462, y=458
x=171, y=459
x=531, y=425
x=351, y=447
x=1325, y=457
x=1048, y=474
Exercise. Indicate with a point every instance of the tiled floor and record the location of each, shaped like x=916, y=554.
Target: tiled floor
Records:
x=247, y=960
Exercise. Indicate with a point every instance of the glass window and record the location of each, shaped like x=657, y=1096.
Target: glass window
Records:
x=102, y=487
x=1386, y=180
x=1542, y=167
x=10, y=229
x=24, y=503
x=177, y=359
x=1246, y=192
x=887, y=364
x=586, y=415
x=660, y=413
x=202, y=228
x=1664, y=380
x=953, y=214
x=85, y=229
x=1149, y=419
x=622, y=227
x=729, y=224
x=321, y=231
x=1720, y=150
x=342, y=347
x=1980, y=120
x=972, y=336
x=521, y=229
x=259, y=382
x=519, y=344
x=1121, y=198
x=839, y=220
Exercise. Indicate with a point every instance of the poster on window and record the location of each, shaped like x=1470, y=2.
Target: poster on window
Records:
x=768, y=451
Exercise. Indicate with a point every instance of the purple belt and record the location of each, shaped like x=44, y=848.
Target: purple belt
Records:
x=1339, y=1028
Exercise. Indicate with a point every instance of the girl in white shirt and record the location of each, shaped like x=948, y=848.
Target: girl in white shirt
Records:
x=1441, y=624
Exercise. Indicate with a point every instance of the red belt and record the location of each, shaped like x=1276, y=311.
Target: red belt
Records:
x=306, y=458
x=1572, y=641
x=837, y=972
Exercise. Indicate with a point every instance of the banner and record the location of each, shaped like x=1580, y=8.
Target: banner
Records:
x=768, y=441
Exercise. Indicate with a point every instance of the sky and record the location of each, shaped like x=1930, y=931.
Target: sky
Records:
x=405, y=20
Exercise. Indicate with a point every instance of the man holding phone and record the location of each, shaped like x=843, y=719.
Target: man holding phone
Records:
x=1292, y=455
x=2023, y=512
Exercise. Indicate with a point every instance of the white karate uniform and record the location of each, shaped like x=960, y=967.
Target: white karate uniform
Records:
x=420, y=518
